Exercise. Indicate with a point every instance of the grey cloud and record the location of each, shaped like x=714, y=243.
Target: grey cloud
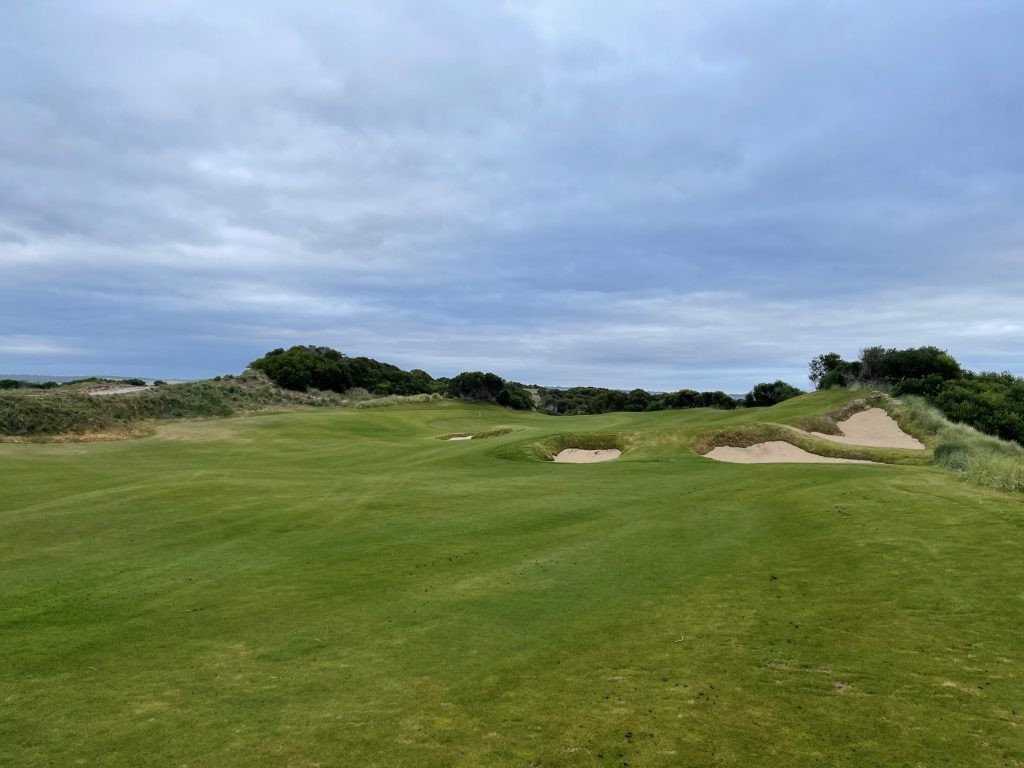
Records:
x=554, y=190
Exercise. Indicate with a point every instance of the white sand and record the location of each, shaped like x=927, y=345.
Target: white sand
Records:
x=586, y=456
x=873, y=427
x=117, y=391
x=461, y=437
x=774, y=452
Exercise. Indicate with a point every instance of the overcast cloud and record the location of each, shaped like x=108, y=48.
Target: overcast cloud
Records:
x=657, y=194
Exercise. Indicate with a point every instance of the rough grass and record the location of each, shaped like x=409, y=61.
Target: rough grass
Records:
x=977, y=457
x=335, y=587
x=389, y=400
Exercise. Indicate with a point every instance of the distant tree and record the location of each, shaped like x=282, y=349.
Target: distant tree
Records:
x=916, y=363
x=718, y=399
x=475, y=385
x=770, y=393
x=684, y=398
x=870, y=363
x=513, y=395
x=823, y=365
x=638, y=400
x=301, y=368
x=9, y=384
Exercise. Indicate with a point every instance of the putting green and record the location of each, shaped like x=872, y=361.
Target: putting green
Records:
x=343, y=588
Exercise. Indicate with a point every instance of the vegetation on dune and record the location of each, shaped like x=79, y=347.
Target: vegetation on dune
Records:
x=991, y=402
x=69, y=410
x=490, y=388
x=307, y=367
x=978, y=457
x=768, y=394
x=333, y=586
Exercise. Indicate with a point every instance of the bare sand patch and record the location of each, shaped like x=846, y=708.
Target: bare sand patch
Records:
x=774, y=452
x=586, y=455
x=873, y=427
x=461, y=437
x=116, y=391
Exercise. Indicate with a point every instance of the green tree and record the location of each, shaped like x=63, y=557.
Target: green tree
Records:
x=770, y=393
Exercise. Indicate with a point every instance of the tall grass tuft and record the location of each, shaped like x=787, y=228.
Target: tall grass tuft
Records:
x=980, y=458
x=384, y=402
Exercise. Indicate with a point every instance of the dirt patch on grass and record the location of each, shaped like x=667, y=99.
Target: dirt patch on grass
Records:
x=873, y=427
x=586, y=455
x=774, y=452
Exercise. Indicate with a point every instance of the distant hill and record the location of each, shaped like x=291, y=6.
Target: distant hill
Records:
x=33, y=378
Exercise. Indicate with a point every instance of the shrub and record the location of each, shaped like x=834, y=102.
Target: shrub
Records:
x=513, y=395
x=300, y=368
x=770, y=393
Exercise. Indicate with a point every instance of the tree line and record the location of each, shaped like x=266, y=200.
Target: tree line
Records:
x=307, y=367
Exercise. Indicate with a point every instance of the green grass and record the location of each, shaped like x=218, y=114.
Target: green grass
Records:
x=339, y=587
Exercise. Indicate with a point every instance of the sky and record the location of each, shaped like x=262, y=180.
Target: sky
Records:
x=646, y=194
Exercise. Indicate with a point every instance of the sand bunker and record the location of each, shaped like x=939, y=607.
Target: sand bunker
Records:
x=873, y=427
x=586, y=455
x=461, y=437
x=774, y=452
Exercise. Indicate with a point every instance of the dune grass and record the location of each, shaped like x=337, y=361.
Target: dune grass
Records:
x=982, y=459
x=71, y=413
x=338, y=587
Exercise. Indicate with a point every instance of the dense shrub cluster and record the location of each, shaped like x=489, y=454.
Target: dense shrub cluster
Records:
x=770, y=393
x=301, y=368
x=889, y=367
x=489, y=387
x=589, y=400
x=991, y=402
x=18, y=384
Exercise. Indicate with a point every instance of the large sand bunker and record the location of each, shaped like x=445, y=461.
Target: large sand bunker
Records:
x=461, y=437
x=873, y=427
x=774, y=452
x=586, y=455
